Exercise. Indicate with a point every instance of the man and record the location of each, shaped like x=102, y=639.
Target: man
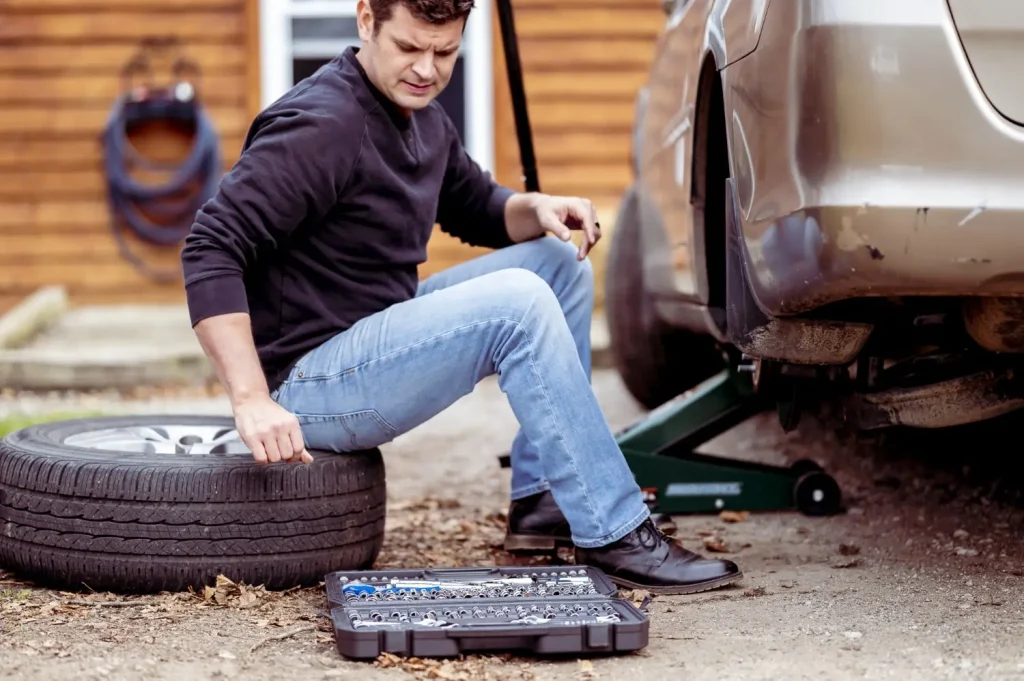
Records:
x=301, y=278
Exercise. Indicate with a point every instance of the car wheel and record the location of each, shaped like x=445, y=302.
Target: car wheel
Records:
x=166, y=503
x=656, y=361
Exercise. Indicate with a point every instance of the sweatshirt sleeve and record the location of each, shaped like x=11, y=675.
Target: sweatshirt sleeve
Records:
x=292, y=169
x=472, y=204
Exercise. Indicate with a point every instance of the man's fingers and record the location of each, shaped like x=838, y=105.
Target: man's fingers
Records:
x=286, y=447
x=258, y=452
x=588, y=244
x=551, y=224
x=269, y=441
x=584, y=211
x=299, y=447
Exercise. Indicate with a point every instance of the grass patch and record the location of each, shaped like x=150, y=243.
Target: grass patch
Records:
x=13, y=423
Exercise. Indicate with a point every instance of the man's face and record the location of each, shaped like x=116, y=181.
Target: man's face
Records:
x=409, y=60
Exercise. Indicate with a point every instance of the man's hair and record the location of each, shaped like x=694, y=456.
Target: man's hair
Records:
x=432, y=11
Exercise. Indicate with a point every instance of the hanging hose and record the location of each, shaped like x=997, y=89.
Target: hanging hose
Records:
x=135, y=205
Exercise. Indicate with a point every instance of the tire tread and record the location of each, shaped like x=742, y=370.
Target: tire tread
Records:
x=68, y=517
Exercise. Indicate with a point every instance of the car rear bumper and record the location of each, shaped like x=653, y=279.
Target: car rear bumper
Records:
x=867, y=161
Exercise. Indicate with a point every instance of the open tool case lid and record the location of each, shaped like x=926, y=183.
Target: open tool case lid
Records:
x=449, y=611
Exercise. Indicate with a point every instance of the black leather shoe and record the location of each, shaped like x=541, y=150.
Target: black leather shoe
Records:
x=537, y=525
x=647, y=559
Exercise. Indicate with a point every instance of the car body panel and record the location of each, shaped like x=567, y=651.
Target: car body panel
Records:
x=664, y=136
x=867, y=159
x=734, y=27
x=868, y=162
x=992, y=34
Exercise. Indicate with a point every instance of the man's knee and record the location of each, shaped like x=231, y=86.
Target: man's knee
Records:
x=526, y=292
x=519, y=283
x=564, y=254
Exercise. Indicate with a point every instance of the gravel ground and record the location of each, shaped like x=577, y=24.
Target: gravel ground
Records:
x=921, y=578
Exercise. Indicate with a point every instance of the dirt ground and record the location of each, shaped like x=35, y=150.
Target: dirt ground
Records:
x=921, y=579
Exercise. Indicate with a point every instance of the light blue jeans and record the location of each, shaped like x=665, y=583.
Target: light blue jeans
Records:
x=523, y=313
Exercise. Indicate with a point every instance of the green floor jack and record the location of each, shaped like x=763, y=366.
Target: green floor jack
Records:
x=675, y=479
x=660, y=448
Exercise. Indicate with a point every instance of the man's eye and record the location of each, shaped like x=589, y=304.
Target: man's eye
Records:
x=445, y=53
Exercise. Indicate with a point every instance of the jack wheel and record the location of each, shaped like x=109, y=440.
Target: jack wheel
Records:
x=818, y=494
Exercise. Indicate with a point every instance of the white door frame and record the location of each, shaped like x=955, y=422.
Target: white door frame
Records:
x=276, y=63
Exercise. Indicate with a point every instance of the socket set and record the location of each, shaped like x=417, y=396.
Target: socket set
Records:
x=446, y=612
x=428, y=586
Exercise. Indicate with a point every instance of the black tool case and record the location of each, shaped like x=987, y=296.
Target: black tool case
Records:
x=538, y=610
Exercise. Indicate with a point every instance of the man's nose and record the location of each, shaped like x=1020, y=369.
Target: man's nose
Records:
x=424, y=67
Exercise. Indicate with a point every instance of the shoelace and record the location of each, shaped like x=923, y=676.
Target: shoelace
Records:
x=650, y=536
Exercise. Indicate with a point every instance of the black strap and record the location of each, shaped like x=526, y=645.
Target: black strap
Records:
x=518, y=94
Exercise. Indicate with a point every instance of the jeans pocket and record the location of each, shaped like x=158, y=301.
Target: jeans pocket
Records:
x=353, y=431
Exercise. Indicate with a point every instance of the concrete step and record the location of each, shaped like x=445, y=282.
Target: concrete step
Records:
x=123, y=347
x=104, y=347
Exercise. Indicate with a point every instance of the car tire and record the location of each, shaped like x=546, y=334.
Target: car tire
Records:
x=146, y=513
x=656, y=361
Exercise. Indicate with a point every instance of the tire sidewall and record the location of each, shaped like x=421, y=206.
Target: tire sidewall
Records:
x=655, y=360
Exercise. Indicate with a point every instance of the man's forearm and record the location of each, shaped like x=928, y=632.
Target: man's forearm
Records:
x=521, y=218
x=227, y=341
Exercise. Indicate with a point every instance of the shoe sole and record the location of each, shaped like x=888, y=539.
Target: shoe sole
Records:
x=528, y=543
x=682, y=589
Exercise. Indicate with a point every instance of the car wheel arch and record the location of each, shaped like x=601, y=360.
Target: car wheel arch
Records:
x=710, y=167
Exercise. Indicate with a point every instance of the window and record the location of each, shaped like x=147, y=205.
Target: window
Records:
x=299, y=36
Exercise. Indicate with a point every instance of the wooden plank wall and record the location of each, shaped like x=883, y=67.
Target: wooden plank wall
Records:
x=583, y=62
x=60, y=62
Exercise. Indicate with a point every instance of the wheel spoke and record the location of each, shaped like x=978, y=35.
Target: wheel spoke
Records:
x=174, y=439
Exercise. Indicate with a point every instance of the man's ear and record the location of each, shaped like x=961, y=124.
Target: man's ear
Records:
x=364, y=20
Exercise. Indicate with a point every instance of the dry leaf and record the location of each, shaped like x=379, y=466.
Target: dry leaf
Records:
x=842, y=564
x=386, y=660
x=448, y=672
x=733, y=516
x=715, y=544
x=224, y=590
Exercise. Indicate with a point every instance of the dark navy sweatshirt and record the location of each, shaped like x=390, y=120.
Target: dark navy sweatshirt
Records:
x=326, y=215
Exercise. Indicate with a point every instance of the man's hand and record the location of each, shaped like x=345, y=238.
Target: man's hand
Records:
x=531, y=215
x=267, y=428
x=270, y=431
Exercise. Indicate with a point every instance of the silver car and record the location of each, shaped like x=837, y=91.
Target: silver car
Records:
x=829, y=194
